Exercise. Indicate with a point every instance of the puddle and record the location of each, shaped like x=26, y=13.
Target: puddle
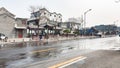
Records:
x=3, y=62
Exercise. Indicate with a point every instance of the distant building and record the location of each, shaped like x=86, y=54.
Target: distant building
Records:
x=107, y=29
x=76, y=20
x=74, y=23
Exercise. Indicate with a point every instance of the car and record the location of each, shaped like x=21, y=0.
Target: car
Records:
x=2, y=36
x=97, y=34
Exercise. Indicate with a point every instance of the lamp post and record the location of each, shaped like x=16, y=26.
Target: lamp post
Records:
x=85, y=18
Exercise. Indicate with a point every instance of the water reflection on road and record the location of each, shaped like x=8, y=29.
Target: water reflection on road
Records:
x=25, y=53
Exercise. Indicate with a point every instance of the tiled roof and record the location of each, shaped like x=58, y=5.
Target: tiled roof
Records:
x=2, y=8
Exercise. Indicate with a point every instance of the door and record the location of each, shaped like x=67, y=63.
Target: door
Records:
x=20, y=33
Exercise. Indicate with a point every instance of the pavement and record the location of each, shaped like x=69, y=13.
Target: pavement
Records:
x=51, y=39
x=15, y=40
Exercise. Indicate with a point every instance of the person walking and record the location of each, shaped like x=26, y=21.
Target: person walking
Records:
x=40, y=36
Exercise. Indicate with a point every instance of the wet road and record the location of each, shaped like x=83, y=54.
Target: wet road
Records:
x=26, y=53
x=99, y=59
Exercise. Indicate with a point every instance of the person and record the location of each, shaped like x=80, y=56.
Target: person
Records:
x=6, y=39
x=40, y=36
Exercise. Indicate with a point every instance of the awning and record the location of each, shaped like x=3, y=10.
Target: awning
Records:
x=35, y=27
x=20, y=27
x=58, y=28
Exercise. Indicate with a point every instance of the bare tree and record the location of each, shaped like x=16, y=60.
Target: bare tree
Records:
x=39, y=7
x=34, y=8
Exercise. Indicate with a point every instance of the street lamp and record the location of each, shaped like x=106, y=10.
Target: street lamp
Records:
x=85, y=17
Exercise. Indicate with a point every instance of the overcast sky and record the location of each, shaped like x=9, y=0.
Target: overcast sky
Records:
x=103, y=11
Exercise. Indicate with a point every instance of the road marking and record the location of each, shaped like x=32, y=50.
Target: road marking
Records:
x=67, y=63
x=42, y=50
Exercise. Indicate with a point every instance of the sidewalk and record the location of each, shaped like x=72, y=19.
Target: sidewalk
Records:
x=51, y=39
x=60, y=38
x=15, y=40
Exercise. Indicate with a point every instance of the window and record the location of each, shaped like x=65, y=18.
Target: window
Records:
x=54, y=15
x=38, y=14
x=50, y=14
x=60, y=19
x=35, y=14
x=44, y=13
x=24, y=22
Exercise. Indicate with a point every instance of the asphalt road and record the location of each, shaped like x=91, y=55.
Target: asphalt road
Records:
x=95, y=59
x=99, y=59
x=33, y=55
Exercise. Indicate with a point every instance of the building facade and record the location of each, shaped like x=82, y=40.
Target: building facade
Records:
x=21, y=28
x=9, y=25
x=107, y=29
x=74, y=23
x=43, y=21
x=7, y=22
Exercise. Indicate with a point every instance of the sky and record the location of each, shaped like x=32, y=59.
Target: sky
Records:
x=103, y=11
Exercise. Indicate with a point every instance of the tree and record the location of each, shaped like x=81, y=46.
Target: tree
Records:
x=66, y=31
x=34, y=8
x=76, y=32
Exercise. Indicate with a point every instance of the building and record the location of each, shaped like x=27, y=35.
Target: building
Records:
x=7, y=22
x=9, y=25
x=21, y=27
x=72, y=24
x=44, y=21
x=56, y=17
x=106, y=29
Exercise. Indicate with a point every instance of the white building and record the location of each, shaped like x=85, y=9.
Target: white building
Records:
x=41, y=18
x=77, y=20
x=75, y=23
x=43, y=15
x=56, y=17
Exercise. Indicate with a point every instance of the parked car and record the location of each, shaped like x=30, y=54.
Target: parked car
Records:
x=3, y=37
x=98, y=34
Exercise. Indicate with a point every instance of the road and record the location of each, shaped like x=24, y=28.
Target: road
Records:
x=99, y=59
x=34, y=55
